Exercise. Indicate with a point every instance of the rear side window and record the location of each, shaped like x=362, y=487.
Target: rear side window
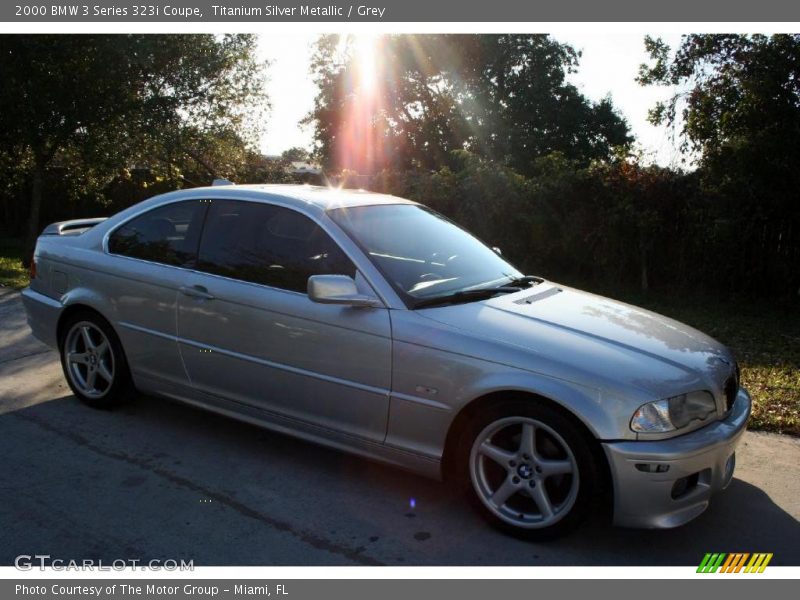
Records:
x=267, y=244
x=167, y=235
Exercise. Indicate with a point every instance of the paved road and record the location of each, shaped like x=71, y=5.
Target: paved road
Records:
x=160, y=480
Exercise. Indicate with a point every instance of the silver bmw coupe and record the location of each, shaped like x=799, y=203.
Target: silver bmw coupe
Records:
x=371, y=324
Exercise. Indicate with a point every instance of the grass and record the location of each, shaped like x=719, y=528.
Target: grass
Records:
x=764, y=336
x=12, y=273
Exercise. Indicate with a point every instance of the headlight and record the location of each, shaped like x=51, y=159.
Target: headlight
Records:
x=673, y=413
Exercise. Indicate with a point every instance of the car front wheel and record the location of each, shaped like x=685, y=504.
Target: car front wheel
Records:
x=529, y=469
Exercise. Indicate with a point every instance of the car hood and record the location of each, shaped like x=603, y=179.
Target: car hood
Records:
x=595, y=340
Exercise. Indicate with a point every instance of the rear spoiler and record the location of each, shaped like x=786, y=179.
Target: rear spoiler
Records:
x=73, y=227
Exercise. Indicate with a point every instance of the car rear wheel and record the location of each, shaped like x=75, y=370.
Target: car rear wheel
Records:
x=528, y=468
x=93, y=361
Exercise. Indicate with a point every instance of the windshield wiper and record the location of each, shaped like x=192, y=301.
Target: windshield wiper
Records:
x=517, y=281
x=464, y=296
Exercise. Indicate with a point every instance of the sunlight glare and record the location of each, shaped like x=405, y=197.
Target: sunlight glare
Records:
x=365, y=51
x=360, y=140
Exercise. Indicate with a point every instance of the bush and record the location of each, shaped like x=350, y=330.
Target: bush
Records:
x=612, y=223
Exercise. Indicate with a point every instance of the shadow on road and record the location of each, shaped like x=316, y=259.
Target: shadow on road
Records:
x=159, y=479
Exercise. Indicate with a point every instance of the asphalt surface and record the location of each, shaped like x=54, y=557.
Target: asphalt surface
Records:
x=156, y=479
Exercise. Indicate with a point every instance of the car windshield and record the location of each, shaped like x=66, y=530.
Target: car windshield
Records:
x=421, y=253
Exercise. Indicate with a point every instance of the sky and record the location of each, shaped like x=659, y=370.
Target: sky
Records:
x=608, y=66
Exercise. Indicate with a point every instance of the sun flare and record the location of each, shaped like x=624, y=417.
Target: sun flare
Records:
x=360, y=144
x=365, y=53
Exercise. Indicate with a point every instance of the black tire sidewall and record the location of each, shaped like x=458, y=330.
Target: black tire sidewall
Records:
x=572, y=434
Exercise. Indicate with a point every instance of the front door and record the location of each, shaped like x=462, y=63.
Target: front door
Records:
x=248, y=331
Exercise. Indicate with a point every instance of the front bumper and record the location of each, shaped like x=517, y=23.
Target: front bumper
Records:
x=692, y=467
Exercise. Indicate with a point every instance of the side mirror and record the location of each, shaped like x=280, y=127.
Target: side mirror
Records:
x=338, y=289
x=497, y=251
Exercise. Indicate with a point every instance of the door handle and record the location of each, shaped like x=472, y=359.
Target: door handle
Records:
x=196, y=291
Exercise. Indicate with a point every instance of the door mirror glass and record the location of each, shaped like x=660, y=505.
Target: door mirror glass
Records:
x=337, y=289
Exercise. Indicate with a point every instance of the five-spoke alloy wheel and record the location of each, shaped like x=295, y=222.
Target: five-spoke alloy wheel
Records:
x=529, y=468
x=524, y=472
x=93, y=361
x=90, y=360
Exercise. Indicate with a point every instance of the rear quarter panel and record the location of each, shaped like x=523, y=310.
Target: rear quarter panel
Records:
x=138, y=298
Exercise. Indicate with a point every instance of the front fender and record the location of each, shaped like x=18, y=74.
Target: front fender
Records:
x=596, y=412
x=431, y=387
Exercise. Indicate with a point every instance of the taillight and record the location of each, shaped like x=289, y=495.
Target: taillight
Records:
x=33, y=267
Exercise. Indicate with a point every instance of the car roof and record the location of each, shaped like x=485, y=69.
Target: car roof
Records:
x=303, y=196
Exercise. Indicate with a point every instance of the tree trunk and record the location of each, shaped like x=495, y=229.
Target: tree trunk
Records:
x=643, y=262
x=37, y=184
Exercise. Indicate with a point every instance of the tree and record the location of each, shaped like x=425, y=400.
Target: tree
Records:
x=296, y=154
x=738, y=108
x=732, y=87
x=520, y=106
x=412, y=101
x=117, y=99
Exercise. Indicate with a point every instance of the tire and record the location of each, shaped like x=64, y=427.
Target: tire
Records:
x=93, y=361
x=536, y=490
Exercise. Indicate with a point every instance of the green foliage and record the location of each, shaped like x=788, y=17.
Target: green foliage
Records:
x=12, y=272
x=610, y=223
x=738, y=106
x=109, y=94
x=296, y=153
x=501, y=97
x=77, y=110
x=732, y=88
